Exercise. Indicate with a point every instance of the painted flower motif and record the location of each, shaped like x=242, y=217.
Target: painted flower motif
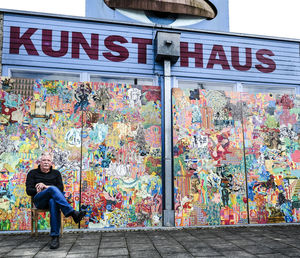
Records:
x=286, y=118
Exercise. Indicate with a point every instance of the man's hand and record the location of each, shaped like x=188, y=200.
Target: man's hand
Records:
x=40, y=187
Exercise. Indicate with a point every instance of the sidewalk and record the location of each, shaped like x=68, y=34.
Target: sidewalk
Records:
x=251, y=241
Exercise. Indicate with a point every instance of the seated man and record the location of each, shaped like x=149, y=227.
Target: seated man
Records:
x=45, y=186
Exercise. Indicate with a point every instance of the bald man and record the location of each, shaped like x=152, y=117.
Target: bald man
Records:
x=45, y=185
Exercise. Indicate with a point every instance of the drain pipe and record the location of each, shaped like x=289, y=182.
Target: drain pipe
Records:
x=168, y=213
x=167, y=52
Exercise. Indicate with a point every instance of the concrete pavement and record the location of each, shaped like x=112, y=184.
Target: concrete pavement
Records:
x=251, y=241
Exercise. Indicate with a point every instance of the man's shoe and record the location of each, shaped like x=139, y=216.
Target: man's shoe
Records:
x=54, y=244
x=78, y=216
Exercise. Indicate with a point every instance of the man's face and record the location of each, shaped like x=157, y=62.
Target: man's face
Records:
x=46, y=163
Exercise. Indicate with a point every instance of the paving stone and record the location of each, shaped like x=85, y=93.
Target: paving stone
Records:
x=187, y=238
x=87, y=242
x=257, y=249
x=23, y=252
x=257, y=239
x=144, y=254
x=294, y=243
x=274, y=245
x=39, y=237
x=195, y=249
x=179, y=234
x=56, y=254
x=65, y=244
x=67, y=241
x=234, y=254
x=182, y=238
x=20, y=237
x=158, y=238
x=242, y=242
x=154, y=233
x=93, y=254
x=290, y=252
x=140, y=247
x=139, y=241
x=210, y=242
x=225, y=247
x=32, y=245
x=23, y=256
x=219, y=241
x=168, y=242
x=64, y=247
x=10, y=242
x=276, y=255
x=85, y=255
x=137, y=237
x=113, y=234
x=177, y=255
x=113, y=252
x=232, y=237
x=201, y=235
x=116, y=256
x=166, y=249
x=215, y=240
x=136, y=234
x=113, y=245
x=5, y=249
x=84, y=249
x=194, y=244
x=112, y=239
x=89, y=236
x=204, y=252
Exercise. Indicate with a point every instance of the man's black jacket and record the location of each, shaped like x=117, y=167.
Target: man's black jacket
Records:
x=36, y=176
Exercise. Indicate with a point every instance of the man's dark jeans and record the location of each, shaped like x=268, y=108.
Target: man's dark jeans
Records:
x=53, y=199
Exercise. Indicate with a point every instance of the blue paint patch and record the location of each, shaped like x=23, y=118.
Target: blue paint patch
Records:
x=295, y=173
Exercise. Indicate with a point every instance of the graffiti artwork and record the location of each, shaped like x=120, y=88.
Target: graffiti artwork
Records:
x=30, y=123
x=208, y=158
x=105, y=141
x=212, y=157
x=121, y=172
x=272, y=155
x=236, y=155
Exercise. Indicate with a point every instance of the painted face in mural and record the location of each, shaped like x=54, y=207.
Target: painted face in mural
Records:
x=46, y=162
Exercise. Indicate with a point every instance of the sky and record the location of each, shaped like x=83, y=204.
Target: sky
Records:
x=279, y=18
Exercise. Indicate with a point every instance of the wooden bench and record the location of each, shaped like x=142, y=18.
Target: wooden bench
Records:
x=35, y=218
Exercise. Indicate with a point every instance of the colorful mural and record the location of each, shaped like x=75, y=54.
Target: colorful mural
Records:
x=212, y=157
x=121, y=173
x=236, y=155
x=208, y=158
x=273, y=157
x=38, y=119
x=106, y=143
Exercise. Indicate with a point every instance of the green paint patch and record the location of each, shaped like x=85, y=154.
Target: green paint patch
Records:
x=271, y=122
x=295, y=111
x=277, y=171
x=178, y=163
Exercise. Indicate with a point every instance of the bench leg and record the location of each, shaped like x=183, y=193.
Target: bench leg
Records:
x=32, y=223
x=36, y=223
